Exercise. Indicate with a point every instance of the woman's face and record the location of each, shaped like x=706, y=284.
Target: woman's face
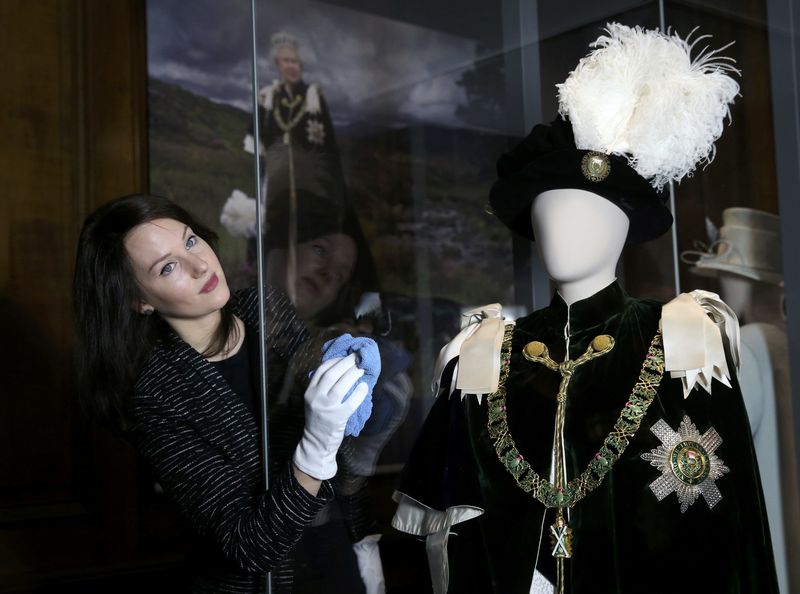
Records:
x=288, y=63
x=178, y=273
x=324, y=266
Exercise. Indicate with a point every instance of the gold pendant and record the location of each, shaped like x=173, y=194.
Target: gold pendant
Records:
x=561, y=538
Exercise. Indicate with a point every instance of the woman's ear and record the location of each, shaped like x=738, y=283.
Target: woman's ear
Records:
x=143, y=308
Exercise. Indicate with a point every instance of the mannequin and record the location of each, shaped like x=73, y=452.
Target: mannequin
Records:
x=580, y=237
x=622, y=535
x=600, y=444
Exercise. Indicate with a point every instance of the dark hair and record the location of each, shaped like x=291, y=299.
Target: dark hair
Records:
x=318, y=216
x=113, y=340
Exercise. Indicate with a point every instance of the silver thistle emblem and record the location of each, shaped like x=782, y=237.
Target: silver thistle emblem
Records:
x=687, y=463
x=315, y=132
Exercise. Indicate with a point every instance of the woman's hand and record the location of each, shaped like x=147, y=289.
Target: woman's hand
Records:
x=326, y=415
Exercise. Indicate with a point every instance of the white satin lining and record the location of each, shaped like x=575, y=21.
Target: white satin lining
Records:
x=415, y=518
x=693, y=327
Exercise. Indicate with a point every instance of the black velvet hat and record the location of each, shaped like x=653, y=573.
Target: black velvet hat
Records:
x=638, y=112
x=548, y=160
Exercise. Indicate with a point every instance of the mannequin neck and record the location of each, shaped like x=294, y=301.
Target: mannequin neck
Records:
x=586, y=287
x=751, y=300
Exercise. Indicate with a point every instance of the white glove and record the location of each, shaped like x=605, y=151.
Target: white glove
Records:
x=369, y=564
x=326, y=415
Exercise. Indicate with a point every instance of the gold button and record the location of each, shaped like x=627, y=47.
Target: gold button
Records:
x=602, y=343
x=534, y=349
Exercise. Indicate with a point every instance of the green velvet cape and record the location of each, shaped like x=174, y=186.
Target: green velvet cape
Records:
x=625, y=541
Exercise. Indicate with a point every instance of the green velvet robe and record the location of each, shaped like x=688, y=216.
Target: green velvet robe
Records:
x=625, y=541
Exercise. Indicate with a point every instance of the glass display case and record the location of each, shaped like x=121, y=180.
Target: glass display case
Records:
x=379, y=128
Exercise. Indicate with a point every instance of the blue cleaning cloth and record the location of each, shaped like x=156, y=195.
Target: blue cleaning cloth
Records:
x=369, y=359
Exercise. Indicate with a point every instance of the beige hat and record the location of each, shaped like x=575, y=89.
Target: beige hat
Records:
x=749, y=245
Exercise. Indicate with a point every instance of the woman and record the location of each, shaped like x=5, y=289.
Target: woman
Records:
x=166, y=356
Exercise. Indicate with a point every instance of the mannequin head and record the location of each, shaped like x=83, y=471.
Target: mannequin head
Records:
x=737, y=292
x=751, y=300
x=580, y=237
x=745, y=257
x=288, y=63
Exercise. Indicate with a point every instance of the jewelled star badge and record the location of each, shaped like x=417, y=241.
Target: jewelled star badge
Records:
x=687, y=463
x=315, y=132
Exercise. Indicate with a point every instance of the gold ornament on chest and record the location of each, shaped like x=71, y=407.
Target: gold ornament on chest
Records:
x=286, y=124
x=290, y=105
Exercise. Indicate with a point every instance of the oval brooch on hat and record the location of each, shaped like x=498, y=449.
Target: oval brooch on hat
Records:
x=595, y=166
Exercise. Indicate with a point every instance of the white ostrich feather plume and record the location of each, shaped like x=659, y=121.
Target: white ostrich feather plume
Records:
x=640, y=95
x=239, y=215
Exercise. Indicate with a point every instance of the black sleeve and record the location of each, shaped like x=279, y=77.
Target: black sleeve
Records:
x=253, y=528
x=352, y=498
x=441, y=470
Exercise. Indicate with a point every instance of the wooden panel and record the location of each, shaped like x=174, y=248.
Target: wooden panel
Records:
x=73, y=118
x=38, y=152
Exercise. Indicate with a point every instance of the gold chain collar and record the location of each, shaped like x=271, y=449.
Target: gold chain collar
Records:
x=285, y=126
x=614, y=445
